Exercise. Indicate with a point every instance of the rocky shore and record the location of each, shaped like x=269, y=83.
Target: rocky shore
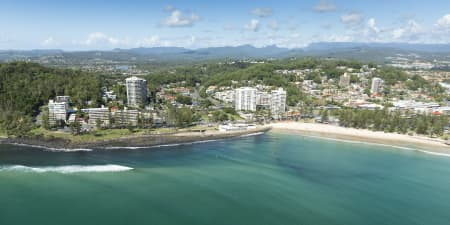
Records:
x=131, y=141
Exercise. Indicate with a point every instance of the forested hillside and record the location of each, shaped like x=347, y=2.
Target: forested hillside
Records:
x=24, y=87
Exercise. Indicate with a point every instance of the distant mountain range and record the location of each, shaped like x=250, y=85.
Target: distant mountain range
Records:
x=361, y=51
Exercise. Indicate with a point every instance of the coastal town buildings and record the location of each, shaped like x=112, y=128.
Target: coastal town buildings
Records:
x=225, y=96
x=96, y=115
x=136, y=91
x=376, y=86
x=57, y=111
x=344, y=81
x=126, y=117
x=245, y=99
x=263, y=99
x=278, y=102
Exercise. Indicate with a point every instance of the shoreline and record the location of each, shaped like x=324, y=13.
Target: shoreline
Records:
x=420, y=143
x=141, y=141
x=331, y=132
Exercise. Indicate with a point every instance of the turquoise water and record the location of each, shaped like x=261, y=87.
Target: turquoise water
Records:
x=274, y=178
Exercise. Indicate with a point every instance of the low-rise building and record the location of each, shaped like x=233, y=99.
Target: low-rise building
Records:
x=225, y=96
x=98, y=114
x=126, y=117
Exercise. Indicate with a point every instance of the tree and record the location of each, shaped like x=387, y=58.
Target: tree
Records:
x=205, y=103
x=15, y=123
x=75, y=127
x=45, y=120
x=183, y=117
x=219, y=116
x=325, y=115
x=98, y=123
x=186, y=100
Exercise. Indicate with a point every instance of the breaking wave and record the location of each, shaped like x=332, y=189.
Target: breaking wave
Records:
x=252, y=134
x=55, y=149
x=65, y=169
x=161, y=146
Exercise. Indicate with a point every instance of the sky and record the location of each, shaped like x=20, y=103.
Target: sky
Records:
x=103, y=25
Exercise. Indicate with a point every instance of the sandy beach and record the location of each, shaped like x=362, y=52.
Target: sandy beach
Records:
x=426, y=144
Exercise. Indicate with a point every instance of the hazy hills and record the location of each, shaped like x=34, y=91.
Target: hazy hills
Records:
x=361, y=51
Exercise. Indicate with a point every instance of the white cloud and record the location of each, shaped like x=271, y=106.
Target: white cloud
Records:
x=273, y=25
x=325, y=6
x=152, y=41
x=408, y=32
x=178, y=19
x=169, y=8
x=253, y=25
x=49, y=42
x=372, y=26
x=444, y=22
x=229, y=27
x=101, y=39
x=351, y=18
x=340, y=38
x=262, y=12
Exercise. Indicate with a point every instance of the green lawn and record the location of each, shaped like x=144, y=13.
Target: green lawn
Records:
x=100, y=135
x=2, y=133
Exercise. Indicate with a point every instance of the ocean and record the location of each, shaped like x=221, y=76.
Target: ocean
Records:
x=274, y=178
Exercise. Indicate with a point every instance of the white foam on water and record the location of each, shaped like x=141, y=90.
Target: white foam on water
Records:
x=252, y=134
x=112, y=148
x=161, y=146
x=55, y=149
x=379, y=144
x=66, y=169
x=435, y=153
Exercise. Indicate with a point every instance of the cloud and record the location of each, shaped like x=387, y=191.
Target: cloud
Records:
x=325, y=6
x=339, y=38
x=410, y=31
x=101, y=39
x=273, y=25
x=262, y=12
x=178, y=19
x=151, y=41
x=326, y=26
x=372, y=26
x=169, y=8
x=49, y=41
x=444, y=22
x=253, y=25
x=229, y=27
x=352, y=18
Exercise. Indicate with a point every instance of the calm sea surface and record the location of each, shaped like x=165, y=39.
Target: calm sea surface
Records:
x=275, y=178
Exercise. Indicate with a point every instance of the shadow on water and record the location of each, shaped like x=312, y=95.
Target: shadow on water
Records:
x=322, y=175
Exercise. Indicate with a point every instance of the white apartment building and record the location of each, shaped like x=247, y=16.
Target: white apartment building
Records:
x=136, y=91
x=245, y=99
x=376, y=86
x=57, y=111
x=225, y=96
x=126, y=117
x=95, y=114
x=344, y=80
x=65, y=99
x=263, y=99
x=278, y=102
